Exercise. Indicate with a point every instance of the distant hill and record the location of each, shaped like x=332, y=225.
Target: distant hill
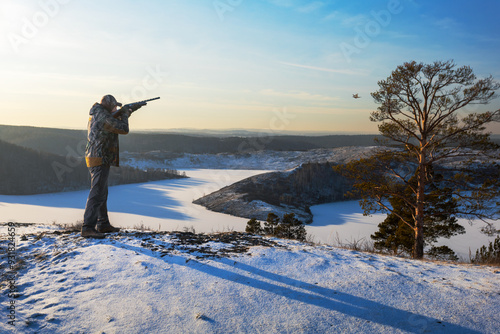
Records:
x=292, y=191
x=62, y=141
x=26, y=171
x=213, y=145
x=50, y=140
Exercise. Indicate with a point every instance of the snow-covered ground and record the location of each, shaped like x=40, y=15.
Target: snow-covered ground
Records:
x=167, y=206
x=271, y=160
x=145, y=282
x=179, y=283
x=344, y=222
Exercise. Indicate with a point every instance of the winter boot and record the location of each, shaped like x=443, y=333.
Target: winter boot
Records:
x=90, y=232
x=106, y=227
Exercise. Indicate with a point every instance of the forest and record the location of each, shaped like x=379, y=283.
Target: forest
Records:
x=26, y=171
x=62, y=141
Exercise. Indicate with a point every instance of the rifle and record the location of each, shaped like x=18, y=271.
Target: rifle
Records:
x=132, y=106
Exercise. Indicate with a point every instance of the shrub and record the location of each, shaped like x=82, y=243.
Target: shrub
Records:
x=288, y=228
x=488, y=255
x=271, y=224
x=291, y=228
x=442, y=253
x=254, y=227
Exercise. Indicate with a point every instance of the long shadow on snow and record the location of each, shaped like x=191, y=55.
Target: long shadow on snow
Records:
x=334, y=300
x=150, y=199
x=339, y=213
x=326, y=298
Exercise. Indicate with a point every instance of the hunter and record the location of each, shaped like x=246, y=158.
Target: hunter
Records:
x=101, y=153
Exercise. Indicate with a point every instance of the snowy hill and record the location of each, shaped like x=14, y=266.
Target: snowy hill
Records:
x=178, y=282
x=263, y=159
x=292, y=191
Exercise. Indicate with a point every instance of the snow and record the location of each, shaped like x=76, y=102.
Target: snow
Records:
x=272, y=160
x=167, y=206
x=164, y=205
x=154, y=283
x=344, y=222
x=148, y=282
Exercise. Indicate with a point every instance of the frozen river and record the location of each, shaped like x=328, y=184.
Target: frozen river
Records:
x=167, y=205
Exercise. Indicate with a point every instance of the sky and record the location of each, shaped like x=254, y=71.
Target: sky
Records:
x=273, y=65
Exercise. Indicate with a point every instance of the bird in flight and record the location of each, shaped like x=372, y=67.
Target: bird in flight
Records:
x=356, y=96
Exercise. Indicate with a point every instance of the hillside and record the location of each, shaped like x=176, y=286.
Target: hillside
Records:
x=62, y=141
x=25, y=171
x=50, y=140
x=311, y=181
x=177, y=282
x=280, y=192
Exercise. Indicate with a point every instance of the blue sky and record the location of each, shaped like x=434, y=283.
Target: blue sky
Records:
x=255, y=64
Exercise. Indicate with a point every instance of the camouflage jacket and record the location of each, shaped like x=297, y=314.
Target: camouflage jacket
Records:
x=102, y=139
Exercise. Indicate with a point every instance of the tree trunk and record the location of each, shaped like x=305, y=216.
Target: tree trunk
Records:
x=418, y=248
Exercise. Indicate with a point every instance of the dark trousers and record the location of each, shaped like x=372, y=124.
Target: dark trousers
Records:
x=96, y=209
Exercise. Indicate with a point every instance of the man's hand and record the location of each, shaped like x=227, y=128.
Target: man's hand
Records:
x=127, y=111
x=130, y=108
x=137, y=106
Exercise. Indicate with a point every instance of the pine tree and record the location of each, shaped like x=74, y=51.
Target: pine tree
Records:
x=291, y=228
x=488, y=255
x=419, y=106
x=398, y=237
x=393, y=234
x=271, y=224
x=254, y=227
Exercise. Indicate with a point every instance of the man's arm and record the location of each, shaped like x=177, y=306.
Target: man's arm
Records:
x=131, y=107
x=117, y=125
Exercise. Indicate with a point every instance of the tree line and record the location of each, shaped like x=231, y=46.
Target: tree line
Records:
x=25, y=172
x=60, y=141
x=286, y=227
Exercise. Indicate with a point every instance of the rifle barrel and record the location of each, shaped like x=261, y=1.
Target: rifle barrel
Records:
x=154, y=98
x=118, y=112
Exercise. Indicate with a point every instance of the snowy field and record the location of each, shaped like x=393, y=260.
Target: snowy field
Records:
x=167, y=206
x=167, y=283
x=164, y=205
x=147, y=282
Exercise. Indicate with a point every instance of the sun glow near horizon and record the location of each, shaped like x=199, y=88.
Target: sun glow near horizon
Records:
x=227, y=66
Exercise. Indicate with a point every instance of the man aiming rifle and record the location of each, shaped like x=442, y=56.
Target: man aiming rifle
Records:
x=106, y=122
x=131, y=106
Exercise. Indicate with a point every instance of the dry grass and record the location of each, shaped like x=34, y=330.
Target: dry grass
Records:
x=72, y=227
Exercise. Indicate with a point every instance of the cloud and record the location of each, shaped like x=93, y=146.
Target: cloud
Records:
x=311, y=7
x=354, y=20
x=283, y=3
x=347, y=20
x=299, y=95
x=296, y=5
x=446, y=23
x=333, y=15
x=315, y=68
